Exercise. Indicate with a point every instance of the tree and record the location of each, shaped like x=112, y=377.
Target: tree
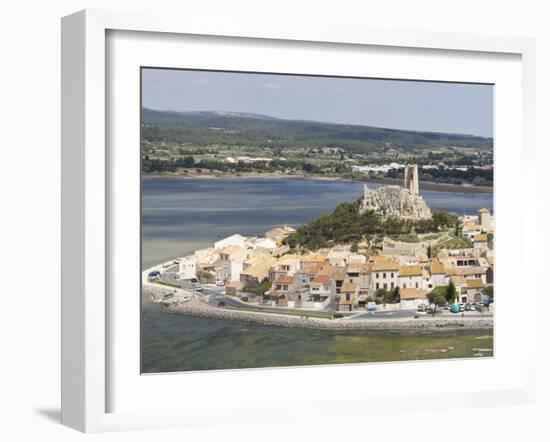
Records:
x=457, y=230
x=354, y=247
x=437, y=296
x=396, y=295
x=265, y=286
x=451, y=293
x=488, y=291
x=381, y=296
x=429, y=251
x=188, y=161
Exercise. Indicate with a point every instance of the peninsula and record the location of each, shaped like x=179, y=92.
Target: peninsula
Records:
x=384, y=261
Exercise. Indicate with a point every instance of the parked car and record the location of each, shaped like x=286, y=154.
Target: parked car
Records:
x=194, y=280
x=154, y=275
x=199, y=288
x=221, y=304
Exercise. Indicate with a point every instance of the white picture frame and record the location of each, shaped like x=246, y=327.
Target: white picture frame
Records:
x=86, y=317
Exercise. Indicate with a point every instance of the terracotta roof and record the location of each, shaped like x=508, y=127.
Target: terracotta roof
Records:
x=385, y=264
x=348, y=287
x=288, y=259
x=327, y=269
x=313, y=257
x=234, y=285
x=468, y=270
x=474, y=283
x=480, y=238
x=284, y=279
x=436, y=267
x=314, y=269
x=412, y=293
x=340, y=274
x=260, y=270
x=230, y=250
x=471, y=227
x=413, y=270
x=321, y=280
x=458, y=280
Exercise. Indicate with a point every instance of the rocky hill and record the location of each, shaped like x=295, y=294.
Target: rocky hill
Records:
x=394, y=201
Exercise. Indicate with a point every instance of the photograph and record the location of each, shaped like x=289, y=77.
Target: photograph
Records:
x=292, y=220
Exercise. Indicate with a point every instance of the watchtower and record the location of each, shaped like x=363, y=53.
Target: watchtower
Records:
x=411, y=178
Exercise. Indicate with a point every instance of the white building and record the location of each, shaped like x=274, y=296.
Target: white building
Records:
x=229, y=266
x=384, y=274
x=264, y=243
x=410, y=277
x=188, y=267
x=233, y=240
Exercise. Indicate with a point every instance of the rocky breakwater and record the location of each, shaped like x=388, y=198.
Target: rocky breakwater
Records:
x=201, y=310
x=395, y=201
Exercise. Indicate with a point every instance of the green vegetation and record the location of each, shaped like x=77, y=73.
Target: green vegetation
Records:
x=488, y=291
x=382, y=296
x=444, y=294
x=208, y=128
x=455, y=242
x=437, y=296
x=183, y=143
x=346, y=225
x=260, y=290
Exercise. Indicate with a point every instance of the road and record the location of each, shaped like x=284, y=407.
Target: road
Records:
x=380, y=315
x=217, y=295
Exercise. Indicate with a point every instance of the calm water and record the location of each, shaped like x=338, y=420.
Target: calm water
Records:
x=182, y=215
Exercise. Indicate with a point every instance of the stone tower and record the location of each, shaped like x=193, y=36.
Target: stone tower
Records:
x=411, y=178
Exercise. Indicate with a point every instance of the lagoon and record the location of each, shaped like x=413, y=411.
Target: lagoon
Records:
x=182, y=215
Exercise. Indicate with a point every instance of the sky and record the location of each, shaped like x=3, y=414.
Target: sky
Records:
x=412, y=105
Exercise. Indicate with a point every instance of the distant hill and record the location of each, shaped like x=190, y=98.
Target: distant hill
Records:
x=247, y=129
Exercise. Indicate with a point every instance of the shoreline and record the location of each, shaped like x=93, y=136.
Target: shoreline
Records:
x=437, y=187
x=280, y=320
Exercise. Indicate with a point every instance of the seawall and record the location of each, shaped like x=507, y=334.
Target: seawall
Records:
x=280, y=320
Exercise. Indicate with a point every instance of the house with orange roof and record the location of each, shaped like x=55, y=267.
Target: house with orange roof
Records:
x=322, y=287
x=460, y=284
x=410, y=276
x=481, y=242
x=437, y=273
x=413, y=297
x=229, y=265
x=348, y=297
x=256, y=273
x=474, y=290
x=277, y=234
x=471, y=230
x=384, y=274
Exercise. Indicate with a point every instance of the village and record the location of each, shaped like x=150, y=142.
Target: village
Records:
x=264, y=271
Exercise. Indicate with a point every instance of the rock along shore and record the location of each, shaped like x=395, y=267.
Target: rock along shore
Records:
x=280, y=320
